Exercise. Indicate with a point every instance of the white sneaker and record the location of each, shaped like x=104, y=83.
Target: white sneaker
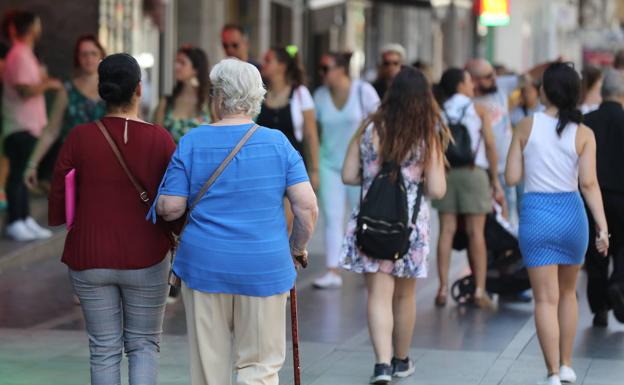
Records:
x=38, y=231
x=330, y=280
x=18, y=231
x=567, y=374
x=552, y=380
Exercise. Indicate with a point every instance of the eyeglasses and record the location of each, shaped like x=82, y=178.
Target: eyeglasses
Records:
x=489, y=76
x=231, y=45
x=387, y=63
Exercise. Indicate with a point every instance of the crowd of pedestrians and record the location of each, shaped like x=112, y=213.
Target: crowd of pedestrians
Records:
x=220, y=192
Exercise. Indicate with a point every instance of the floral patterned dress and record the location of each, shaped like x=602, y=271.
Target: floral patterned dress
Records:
x=414, y=263
x=80, y=109
x=179, y=127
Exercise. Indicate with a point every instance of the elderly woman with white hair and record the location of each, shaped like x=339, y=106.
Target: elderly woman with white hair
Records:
x=235, y=258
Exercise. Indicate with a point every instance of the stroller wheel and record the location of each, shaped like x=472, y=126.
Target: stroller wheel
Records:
x=463, y=289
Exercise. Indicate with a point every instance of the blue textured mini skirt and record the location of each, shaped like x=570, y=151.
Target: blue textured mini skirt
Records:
x=553, y=229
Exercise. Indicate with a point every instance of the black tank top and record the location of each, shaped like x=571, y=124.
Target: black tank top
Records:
x=280, y=119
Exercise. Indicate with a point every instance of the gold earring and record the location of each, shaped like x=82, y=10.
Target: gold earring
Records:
x=194, y=82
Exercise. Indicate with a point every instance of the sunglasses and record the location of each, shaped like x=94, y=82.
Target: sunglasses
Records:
x=233, y=45
x=391, y=63
x=325, y=69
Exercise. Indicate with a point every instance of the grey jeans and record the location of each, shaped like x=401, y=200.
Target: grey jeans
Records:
x=123, y=310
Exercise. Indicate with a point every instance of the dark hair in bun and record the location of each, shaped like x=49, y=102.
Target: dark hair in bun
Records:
x=119, y=76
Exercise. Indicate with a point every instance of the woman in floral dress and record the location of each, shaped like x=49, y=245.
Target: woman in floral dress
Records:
x=407, y=130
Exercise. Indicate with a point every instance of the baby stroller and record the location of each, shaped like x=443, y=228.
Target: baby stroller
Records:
x=506, y=274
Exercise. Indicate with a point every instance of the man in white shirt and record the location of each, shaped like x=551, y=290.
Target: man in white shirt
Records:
x=493, y=92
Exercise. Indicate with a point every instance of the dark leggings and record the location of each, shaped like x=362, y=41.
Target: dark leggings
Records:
x=17, y=148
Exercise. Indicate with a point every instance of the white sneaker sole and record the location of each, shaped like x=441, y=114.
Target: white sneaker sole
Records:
x=406, y=373
x=567, y=380
x=20, y=239
x=381, y=380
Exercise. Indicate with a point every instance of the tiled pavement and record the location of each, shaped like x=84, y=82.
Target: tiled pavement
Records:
x=42, y=341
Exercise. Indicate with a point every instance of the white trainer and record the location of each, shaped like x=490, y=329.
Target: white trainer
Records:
x=567, y=374
x=38, y=231
x=552, y=380
x=18, y=231
x=330, y=280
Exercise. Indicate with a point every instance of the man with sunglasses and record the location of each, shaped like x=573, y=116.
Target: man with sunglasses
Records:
x=235, y=44
x=493, y=92
x=392, y=58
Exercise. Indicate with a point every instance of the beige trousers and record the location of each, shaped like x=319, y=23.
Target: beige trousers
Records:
x=251, y=331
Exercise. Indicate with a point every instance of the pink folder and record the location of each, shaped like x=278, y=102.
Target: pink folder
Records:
x=70, y=198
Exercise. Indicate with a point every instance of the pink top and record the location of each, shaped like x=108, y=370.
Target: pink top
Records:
x=18, y=113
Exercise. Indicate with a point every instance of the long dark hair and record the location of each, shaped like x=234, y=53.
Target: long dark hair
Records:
x=295, y=73
x=447, y=87
x=408, y=116
x=199, y=61
x=90, y=38
x=562, y=86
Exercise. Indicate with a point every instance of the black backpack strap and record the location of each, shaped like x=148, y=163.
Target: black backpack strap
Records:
x=419, y=195
x=463, y=112
x=461, y=117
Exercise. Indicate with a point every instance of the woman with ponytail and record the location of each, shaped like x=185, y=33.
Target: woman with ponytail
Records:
x=556, y=154
x=289, y=107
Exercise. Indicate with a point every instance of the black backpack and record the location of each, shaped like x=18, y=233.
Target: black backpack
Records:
x=459, y=152
x=382, y=229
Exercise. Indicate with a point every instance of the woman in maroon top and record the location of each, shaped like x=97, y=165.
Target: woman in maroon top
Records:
x=117, y=260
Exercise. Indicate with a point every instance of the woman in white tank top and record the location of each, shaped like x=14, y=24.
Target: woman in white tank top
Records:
x=556, y=154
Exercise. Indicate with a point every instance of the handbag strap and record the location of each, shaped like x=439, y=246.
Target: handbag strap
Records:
x=140, y=189
x=216, y=174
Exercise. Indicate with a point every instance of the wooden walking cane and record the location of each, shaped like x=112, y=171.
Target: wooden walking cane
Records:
x=302, y=259
x=295, y=335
